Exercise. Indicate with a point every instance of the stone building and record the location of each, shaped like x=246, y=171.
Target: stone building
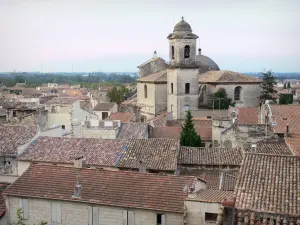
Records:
x=188, y=79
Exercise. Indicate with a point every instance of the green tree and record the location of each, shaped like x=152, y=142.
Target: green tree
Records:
x=115, y=95
x=20, y=219
x=188, y=135
x=284, y=86
x=285, y=99
x=221, y=99
x=268, y=90
x=289, y=85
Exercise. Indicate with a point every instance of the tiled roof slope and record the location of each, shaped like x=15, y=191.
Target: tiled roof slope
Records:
x=97, y=152
x=277, y=148
x=294, y=142
x=103, y=106
x=3, y=186
x=248, y=115
x=124, y=117
x=13, y=136
x=226, y=76
x=133, y=130
x=211, y=196
x=286, y=114
x=269, y=183
x=213, y=177
x=113, y=188
x=210, y=156
x=160, y=120
x=158, y=77
x=62, y=100
x=157, y=154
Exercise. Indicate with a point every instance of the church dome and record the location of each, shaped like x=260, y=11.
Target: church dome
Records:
x=206, y=63
x=182, y=26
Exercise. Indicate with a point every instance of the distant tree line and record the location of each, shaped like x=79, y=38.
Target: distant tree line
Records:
x=91, y=80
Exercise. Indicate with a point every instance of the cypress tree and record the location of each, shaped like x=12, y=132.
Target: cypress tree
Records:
x=268, y=90
x=188, y=135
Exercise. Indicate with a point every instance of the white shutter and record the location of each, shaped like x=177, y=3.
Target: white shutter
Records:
x=25, y=209
x=90, y=209
x=124, y=217
x=163, y=219
x=130, y=217
x=95, y=216
x=58, y=212
x=53, y=212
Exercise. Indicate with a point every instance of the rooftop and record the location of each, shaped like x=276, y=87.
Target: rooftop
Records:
x=286, y=114
x=248, y=115
x=160, y=120
x=62, y=100
x=124, y=117
x=147, y=191
x=104, y=106
x=133, y=130
x=13, y=136
x=269, y=184
x=211, y=196
x=158, y=77
x=210, y=156
x=294, y=142
x=277, y=148
x=156, y=154
x=226, y=76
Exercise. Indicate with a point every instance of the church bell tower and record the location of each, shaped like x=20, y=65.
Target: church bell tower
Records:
x=182, y=74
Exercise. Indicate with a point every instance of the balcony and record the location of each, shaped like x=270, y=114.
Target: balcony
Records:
x=186, y=63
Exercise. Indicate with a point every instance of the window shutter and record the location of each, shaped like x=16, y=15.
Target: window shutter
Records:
x=21, y=206
x=163, y=219
x=130, y=217
x=58, y=212
x=54, y=212
x=25, y=209
x=90, y=209
x=95, y=216
x=124, y=217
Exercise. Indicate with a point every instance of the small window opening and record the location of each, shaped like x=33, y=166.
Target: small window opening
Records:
x=173, y=52
x=187, y=88
x=211, y=216
x=145, y=91
x=187, y=52
x=171, y=88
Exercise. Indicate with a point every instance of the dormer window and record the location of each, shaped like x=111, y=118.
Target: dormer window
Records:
x=186, y=51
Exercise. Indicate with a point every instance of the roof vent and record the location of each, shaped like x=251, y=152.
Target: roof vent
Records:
x=142, y=168
x=253, y=148
x=78, y=189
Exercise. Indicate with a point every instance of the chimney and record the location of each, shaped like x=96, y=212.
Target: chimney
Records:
x=78, y=162
x=221, y=181
x=142, y=168
x=78, y=189
x=63, y=130
x=253, y=148
x=287, y=129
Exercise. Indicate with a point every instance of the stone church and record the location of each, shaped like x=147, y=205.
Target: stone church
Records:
x=189, y=79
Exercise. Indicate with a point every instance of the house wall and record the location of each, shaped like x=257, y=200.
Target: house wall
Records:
x=96, y=133
x=148, y=104
x=62, y=116
x=81, y=115
x=161, y=98
x=74, y=213
x=196, y=212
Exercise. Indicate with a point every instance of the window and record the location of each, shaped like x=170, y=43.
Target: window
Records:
x=25, y=208
x=56, y=212
x=128, y=217
x=187, y=88
x=104, y=115
x=93, y=215
x=171, y=88
x=186, y=51
x=14, y=114
x=145, y=91
x=237, y=93
x=173, y=52
x=160, y=219
x=211, y=216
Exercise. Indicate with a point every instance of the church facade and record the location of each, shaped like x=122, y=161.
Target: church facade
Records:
x=188, y=80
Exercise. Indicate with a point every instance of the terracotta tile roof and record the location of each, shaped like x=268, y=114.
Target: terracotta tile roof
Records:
x=294, y=142
x=133, y=130
x=96, y=152
x=20, y=105
x=103, y=106
x=157, y=154
x=248, y=115
x=286, y=114
x=226, y=76
x=277, y=148
x=86, y=106
x=124, y=117
x=211, y=196
x=14, y=136
x=212, y=177
x=62, y=100
x=269, y=184
x=158, y=77
x=210, y=156
x=173, y=132
x=3, y=186
x=131, y=102
x=113, y=188
x=160, y=120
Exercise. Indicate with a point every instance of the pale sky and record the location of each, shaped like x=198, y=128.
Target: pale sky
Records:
x=118, y=35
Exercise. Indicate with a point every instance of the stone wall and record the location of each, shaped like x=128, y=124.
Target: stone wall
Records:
x=160, y=98
x=152, y=67
x=75, y=213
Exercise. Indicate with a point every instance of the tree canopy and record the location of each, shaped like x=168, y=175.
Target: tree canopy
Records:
x=117, y=95
x=268, y=84
x=221, y=99
x=289, y=85
x=188, y=135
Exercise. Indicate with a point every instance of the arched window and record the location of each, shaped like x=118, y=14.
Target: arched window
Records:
x=186, y=51
x=145, y=91
x=173, y=52
x=237, y=93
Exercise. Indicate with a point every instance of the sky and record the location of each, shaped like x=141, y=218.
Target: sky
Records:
x=118, y=35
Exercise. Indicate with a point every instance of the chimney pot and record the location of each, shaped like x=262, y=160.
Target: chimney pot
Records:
x=78, y=162
x=253, y=148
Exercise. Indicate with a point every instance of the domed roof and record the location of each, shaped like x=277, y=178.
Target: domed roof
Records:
x=206, y=63
x=182, y=26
